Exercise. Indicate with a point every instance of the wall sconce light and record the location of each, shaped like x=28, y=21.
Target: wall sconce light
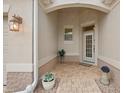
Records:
x=14, y=23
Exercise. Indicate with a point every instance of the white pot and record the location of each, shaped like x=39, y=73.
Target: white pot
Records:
x=104, y=79
x=48, y=85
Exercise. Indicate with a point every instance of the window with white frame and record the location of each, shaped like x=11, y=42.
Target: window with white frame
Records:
x=68, y=34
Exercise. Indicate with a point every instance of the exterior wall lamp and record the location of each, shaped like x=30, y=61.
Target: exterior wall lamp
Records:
x=14, y=23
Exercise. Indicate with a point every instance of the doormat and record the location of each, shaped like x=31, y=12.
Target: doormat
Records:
x=84, y=64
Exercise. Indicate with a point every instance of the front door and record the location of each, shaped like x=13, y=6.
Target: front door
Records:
x=88, y=47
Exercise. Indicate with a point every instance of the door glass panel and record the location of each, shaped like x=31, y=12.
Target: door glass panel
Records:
x=89, y=46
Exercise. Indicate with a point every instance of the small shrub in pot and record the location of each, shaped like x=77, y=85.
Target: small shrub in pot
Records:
x=61, y=54
x=48, y=81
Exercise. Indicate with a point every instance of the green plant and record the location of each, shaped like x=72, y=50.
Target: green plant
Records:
x=61, y=52
x=48, y=77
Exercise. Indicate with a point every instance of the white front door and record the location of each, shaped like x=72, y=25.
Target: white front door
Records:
x=88, y=47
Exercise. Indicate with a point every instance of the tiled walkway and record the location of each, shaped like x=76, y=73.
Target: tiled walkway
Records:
x=78, y=86
x=75, y=78
x=75, y=70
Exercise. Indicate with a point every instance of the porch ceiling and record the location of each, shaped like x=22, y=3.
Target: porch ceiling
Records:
x=101, y=5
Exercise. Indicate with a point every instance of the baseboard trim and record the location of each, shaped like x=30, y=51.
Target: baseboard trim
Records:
x=45, y=60
x=112, y=62
x=23, y=67
x=72, y=54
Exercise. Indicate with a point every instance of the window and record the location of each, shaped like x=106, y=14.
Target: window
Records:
x=68, y=34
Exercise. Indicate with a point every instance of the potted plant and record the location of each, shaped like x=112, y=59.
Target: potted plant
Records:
x=61, y=54
x=104, y=78
x=48, y=81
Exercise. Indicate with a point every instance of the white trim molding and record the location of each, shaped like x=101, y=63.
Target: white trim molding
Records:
x=111, y=3
x=45, y=60
x=69, y=4
x=110, y=61
x=17, y=67
x=88, y=23
x=115, y=4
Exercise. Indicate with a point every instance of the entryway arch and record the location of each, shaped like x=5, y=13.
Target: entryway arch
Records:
x=55, y=7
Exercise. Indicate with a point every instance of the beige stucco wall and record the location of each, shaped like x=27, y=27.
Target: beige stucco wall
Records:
x=74, y=17
x=20, y=43
x=109, y=36
x=69, y=17
x=47, y=36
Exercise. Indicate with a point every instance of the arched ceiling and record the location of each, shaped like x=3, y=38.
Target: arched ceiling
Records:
x=101, y=5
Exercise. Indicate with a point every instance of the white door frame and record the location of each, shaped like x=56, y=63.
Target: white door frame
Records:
x=91, y=59
x=95, y=23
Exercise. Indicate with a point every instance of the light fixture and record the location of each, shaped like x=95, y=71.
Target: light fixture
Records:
x=14, y=23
